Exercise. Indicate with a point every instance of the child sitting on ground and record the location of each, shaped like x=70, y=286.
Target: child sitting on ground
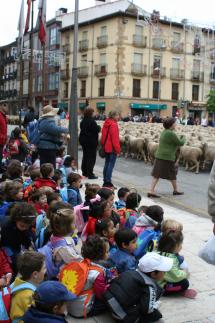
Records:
x=14, y=171
x=90, y=193
x=90, y=300
x=50, y=303
x=39, y=201
x=31, y=268
x=18, y=149
x=98, y=210
x=173, y=225
x=105, y=228
x=74, y=185
x=175, y=280
x=122, y=195
x=16, y=233
x=69, y=166
x=131, y=213
x=123, y=258
x=138, y=302
x=60, y=157
x=12, y=192
x=47, y=172
x=151, y=219
x=108, y=195
x=61, y=248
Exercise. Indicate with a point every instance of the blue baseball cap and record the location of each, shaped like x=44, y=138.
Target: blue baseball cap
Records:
x=53, y=292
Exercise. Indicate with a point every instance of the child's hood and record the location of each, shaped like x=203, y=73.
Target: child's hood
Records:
x=18, y=281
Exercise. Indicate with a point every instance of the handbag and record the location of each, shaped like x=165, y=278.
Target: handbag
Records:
x=102, y=152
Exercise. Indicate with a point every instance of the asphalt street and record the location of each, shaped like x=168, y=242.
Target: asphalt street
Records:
x=137, y=174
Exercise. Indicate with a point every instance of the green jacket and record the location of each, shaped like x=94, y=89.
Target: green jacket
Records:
x=168, y=145
x=176, y=274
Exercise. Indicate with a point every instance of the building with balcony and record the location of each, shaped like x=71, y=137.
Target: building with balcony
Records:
x=8, y=76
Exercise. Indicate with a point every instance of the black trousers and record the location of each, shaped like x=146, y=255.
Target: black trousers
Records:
x=88, y=160
x=47, y=156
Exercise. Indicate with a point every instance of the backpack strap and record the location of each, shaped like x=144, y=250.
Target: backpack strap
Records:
x=23, y=286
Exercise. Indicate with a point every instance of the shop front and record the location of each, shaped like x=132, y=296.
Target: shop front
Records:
x=146, y=109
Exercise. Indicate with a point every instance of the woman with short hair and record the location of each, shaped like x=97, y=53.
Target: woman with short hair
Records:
x=164, y=166
x=89, y=141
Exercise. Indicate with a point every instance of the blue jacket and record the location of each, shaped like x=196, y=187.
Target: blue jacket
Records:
x=120, y=204
x=74, y=196
x=35, y=316
x=123, y=260
x=50, y=133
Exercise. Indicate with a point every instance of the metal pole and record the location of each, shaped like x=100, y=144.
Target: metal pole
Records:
x=73, y=102
x=30, y=86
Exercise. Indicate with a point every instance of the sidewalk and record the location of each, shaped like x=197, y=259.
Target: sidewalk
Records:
x=202, y=278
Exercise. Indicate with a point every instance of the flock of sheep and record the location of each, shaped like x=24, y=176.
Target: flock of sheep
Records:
x=140, y=141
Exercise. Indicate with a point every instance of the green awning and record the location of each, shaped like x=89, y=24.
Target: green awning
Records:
x=148, y=106
x=62, y=105
x=100, y=105
x=82, y=105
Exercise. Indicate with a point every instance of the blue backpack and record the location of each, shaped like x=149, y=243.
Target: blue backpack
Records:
x=5, y=300
x=33, y=132
x=64, y=193
x=40, y=230
x=3, y=211
x=146, y=241
x=52, y=268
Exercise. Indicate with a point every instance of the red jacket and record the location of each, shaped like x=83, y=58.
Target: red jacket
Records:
x=112, y=143
x=41, y=182
x=3, y=129
x=5, y=267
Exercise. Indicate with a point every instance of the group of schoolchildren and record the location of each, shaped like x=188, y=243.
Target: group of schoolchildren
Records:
x=64, y=254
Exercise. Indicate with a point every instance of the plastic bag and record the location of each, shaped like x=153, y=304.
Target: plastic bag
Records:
x=207, y=253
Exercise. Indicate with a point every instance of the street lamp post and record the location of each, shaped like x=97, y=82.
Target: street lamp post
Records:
x=73, y=102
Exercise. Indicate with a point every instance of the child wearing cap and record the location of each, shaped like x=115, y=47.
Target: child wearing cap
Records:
x=50, y=299
x=139, y=300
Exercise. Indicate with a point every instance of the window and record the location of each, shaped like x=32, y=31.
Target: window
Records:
x=176, y=63
x=103, y=30
x=136, y=88
x=83, y=89
x=102, y=87
x=54, y=39
x=157, y=62
x=84, y=60
x=196, y=65
x=53, y=81
x=39, y=84
x=138, y=58
x=84, y=35
x=139, y=30
x=176, y=37
x=196, y=44
x=213, y=71
x=174, y=91
x=155, y=93
x=195, y=93
x=103, y=59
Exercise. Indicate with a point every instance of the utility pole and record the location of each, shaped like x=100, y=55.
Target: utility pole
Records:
x=73, y=102
x=31, y=72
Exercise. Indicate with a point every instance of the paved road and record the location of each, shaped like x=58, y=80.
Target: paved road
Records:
x=137, y=174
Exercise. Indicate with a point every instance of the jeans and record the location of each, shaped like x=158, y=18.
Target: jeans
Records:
x=110, y=161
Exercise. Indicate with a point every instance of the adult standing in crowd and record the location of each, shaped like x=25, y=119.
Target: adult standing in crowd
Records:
x=89, y=141
x=165, y=165
x=30, y=116
x=3, y=129
x=50, y=135
x=111, y=144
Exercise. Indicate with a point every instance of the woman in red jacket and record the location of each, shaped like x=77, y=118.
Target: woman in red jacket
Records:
x=3, y=128
x=111, y=144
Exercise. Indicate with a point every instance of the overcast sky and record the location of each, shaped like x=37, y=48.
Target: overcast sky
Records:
x=195, y=11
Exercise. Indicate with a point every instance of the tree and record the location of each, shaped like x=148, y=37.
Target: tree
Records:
x=211, y=101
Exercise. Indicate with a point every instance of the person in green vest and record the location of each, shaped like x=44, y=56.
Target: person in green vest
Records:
x=165, y=165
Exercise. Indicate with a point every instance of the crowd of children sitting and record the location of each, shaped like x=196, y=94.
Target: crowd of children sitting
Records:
x=64, y=254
